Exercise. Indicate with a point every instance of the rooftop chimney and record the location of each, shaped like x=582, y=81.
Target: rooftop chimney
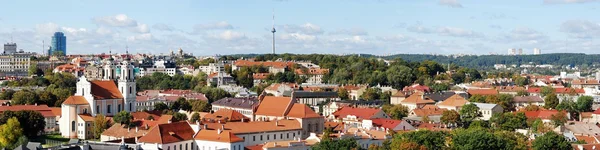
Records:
x=169, y=121
x=205, y=126
x=219, y=131
x=222, y=127
x=137, y=129
x=276, y=123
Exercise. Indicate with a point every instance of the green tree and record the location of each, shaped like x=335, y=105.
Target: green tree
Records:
x=550, y=141
x=521, y=81
x=468, y=113
x=477, y=99
x=522, y=93
x=24, y=97
x=7, y=94
x=509, y=121
x=179, y=117
x=559, y=118
x=546, y=90
x=160, y=106
x=450, y=117
x=34, y=70
x=200, y=106
x=345, y=143
x=399, y=76
x=32, y=122
x=433, y=140
x=551, y=101
x=100, y=124
x=396, y=111
x=343, y=94
x=404, y=144
x=371, y=94
x=475, y=138
x=10, y=133
x=195, y=117
x=584, y=103
x=123, y=118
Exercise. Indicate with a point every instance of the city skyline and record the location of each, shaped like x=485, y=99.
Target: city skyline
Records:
x=334, y=27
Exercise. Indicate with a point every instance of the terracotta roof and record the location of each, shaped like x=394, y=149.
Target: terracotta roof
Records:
x=534, y=90
x=542, y=114
x=482, y=91
x=429, y=110
x=387, y=123
x=399, y=94
x=260, y=76
x=510, y=88
x=254, y=147
x=105, y=90
x=525, y=99
x=169, y=133
x=568, y=90
x=417, y=98
x=597, y=111
x=274, y=106
x=42, y=109
x=86, y=117
x=586, y=146
x=56, y=110
x=118, y=130
x=257, y=126
x=139, y=115
x=454, y=101
x=587, y=139
x=275, y=86
x=214, y=135
x=302, y=111
x=351, y=87
x=69, y=68
x=416, y=87
x=586, y=114
x=431, y=126
x=312, y=71
x=76, y=100
x=336, y=126
x=226, y=115
x=585, y=82
x=360, y=113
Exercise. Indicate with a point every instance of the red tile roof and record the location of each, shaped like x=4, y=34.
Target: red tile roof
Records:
x=260, y=76
x=169, y=133
x=387, y=123
x=42, y=109
x=302, y=111
x=56, y=110
x=454, y=101
x=139, y=115
x=417, y=98
x=69, y=68
x=313, y=71
x=105, y=90
x=274, y=106
x=214, y=135
x=542, y=114
x=86, y=117
x=257, y=126
x=226, y=115
x=416, y=87
x=76, y=100
x=360, y=113
x=597, y=111
x=482, y=91
x=429, y=110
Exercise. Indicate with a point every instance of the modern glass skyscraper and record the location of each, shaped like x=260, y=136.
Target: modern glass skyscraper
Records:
x=59, y=44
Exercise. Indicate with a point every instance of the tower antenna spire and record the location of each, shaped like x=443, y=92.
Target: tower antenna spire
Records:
x=273, y=31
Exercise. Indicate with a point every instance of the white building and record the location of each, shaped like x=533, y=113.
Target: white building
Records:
x=171, y=136
x=15, y=64
x=212, y=68
x=244, y=106
x=159, y=66
x=98, y=97
x=218, y=139
x=537, y=51
x=488, y=110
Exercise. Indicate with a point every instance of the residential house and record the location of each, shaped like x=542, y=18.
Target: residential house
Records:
x=259, y=77
x=524, y=101
x=278, y=89
x=416, y=100
x=398, y=97
x=273, y=66
x=245, y=106
x=176, y=136
x=258, y=132
x=585, y=83
x=442, y=96
x=416, y=88
x=226, y=115
x=219, y=78
x=212, y=68
x=312, y=98
x=544, y=115
x=482, y=92
x=387, y=124
x=454, y=102
x=595, y=117
x=353, y=116
x=334, y=106
x=488, y=110
x=364, y=137
x=511, y=90
x=312, y=75
x=355, y=91
x=217, y=139
x=75, y=70
x=427, y=110
x=282, y=108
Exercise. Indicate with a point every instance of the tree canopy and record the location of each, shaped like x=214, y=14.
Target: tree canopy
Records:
x=550, y=140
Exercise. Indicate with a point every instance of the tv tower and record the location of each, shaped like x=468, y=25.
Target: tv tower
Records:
x=273, y=31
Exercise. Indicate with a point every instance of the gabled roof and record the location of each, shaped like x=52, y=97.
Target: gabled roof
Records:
x=360, y=113
x=256, y=126
x=105, y=90
x=442, y=96
x=454, y=101
x=42, y=109
x=214, y=135
x=312, y=71
x=76, y=100
x=482, y=91
x=245, y=103
x=139, y=115
x=485, y=105
x=226, y=115
x=417, y=98
x=399, y=94
x=260, y=76
x=597, y=111
x=169, y=133
x=542, y=114
x=417, y=87
x=274, y=106
x=387, y=123
x=86, y=117
x=302, y=111
x=56, y=110
x=429, y=110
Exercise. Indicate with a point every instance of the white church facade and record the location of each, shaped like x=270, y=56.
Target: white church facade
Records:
x=115, y=92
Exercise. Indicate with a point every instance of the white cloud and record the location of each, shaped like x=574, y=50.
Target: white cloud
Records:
x=523, y=34
x=567, y=1
x=46, y=28
x=221, y=25
x=581, y=28
x=119, y=20
x=349, y=31
x=229, y=35
x=307, y=28
x=451, y=3
x=141, y=28
x=103, y=31
x=141, y=37
x=458, y=32
x=418, y=28
x=163, y=27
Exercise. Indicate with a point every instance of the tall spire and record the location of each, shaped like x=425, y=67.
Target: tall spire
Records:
x=273, y=31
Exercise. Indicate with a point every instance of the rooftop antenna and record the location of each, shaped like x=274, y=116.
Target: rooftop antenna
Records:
x=273, y=31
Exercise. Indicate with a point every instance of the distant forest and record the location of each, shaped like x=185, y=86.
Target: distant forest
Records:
x=482, y=61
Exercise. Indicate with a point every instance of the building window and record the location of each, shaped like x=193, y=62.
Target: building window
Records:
x=85, y=111
x=97, y=108
x=130, y=107
x=261, y=137
x=130, y=90
x=108, y=109
x=119, y=108
x=267, y=137
x=72, y=126
x=253, y=138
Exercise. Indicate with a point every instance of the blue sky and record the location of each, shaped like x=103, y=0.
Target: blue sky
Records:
x=207, y=27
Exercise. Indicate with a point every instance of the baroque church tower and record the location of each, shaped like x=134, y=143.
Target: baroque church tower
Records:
x=126, y=83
